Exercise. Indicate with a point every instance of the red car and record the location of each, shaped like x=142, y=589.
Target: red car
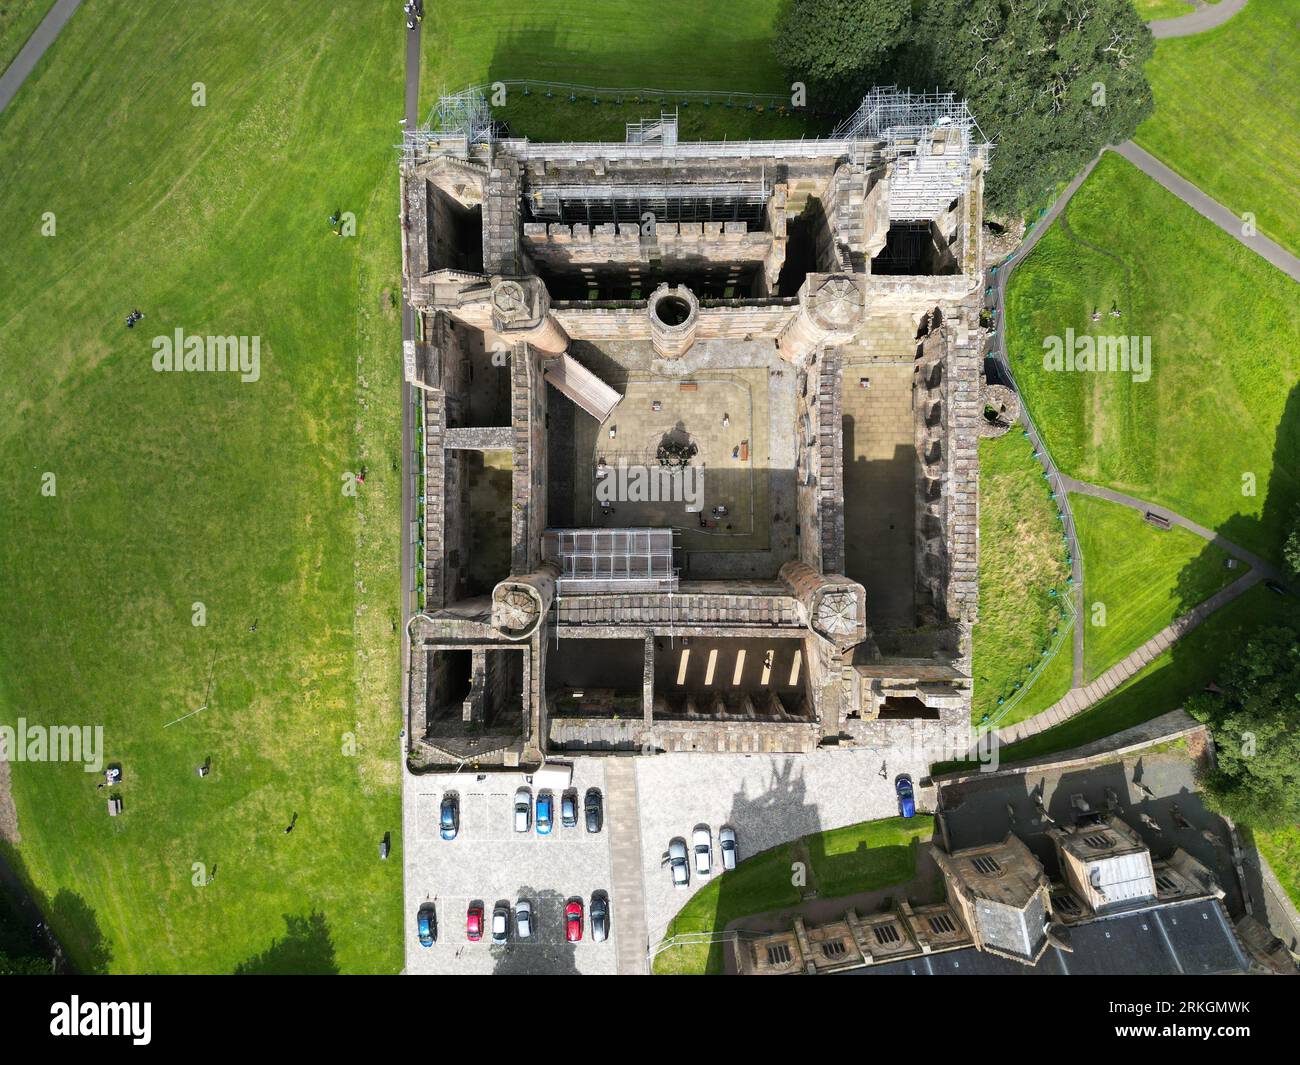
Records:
x=474, y=923
x=573, y=921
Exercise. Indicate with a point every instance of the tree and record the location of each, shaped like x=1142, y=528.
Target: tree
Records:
x=1254, y=720
x=824, y=41
x=25, y=966
x=1291, y=550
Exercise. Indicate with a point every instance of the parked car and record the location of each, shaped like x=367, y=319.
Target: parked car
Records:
x=727, y=845
x=426, y=924
x=1275, y=587
x=449, y=816
x=501, y=922
x=474, y=922
x=545, y=811
x=599, y=917
x=523, y=810
x=595, y=810
x=702, y=845
x=569, y=808
x=906, y=800
x=524, y=919
x=678, y=864
x=573, y=921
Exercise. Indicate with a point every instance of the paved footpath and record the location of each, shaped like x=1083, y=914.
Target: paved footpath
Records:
x=1205, y=17
x=1209, y=208
x=623, y=823
x=30, y=53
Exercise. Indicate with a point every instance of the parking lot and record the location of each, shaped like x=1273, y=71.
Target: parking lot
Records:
x=489, y=862
x=768, y=799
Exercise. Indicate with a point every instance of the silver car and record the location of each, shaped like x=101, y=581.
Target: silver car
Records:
x=524, y=919
x=501, y=922
x=523, y=810
x=702, y=845
x=727, y=845
x=678, y=864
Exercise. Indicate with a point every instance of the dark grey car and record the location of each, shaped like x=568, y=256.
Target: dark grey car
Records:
x=595, y=810
x=599, y=916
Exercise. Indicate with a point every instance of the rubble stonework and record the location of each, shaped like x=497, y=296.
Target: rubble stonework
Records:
x=552, y=281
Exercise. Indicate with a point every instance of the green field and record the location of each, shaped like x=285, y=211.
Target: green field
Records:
x=1225, y=358
x=1227, y=114
x=857, y=858
x=1022, y=561
x=616, y=44
x=18, y=18
x=176, y=489
x=1137, y=578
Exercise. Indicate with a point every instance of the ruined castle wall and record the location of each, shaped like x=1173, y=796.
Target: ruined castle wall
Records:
x=528, y=490
x=946, y=389
x=671, y=245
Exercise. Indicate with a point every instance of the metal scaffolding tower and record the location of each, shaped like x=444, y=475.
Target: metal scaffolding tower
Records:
x=929, y=137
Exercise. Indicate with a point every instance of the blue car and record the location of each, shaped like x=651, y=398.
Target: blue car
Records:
x=906, y=801
x=449, y=817
x=545, y=812
x=426, y=925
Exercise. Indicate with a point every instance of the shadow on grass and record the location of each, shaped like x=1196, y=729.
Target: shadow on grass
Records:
x=307, y=949
x=71, y=937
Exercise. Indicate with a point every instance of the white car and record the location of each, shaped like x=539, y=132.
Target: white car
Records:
x=523, y=810
x=524, y=919
x=727, y=844
x=678, y=864
x=702, y=845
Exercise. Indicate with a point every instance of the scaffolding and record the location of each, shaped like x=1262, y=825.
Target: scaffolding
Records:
x=612, y=560
x=461, y=122
x=930, y=138
x=662, y=130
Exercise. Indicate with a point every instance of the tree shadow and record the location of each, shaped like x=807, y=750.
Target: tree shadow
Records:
x=547, y=952
x=307, y=949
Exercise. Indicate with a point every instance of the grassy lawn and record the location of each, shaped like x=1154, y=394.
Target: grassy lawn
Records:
x=1137, y=578
x=844, y=861
x=1187, y=667
x=614, y=44
x=18, y=18
x=1281, y=848
x=175, y=489
x=1225, y=358
x=1022, y=561
x=1227, y=115
x=1154, y=9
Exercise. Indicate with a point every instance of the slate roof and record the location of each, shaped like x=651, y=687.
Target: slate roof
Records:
x=1174, y=939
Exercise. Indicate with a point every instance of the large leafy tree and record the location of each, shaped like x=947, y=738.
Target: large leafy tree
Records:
x=821, y=42
x=1255, y=722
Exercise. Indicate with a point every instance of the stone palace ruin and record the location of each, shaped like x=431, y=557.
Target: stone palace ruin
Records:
x=794, y=324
